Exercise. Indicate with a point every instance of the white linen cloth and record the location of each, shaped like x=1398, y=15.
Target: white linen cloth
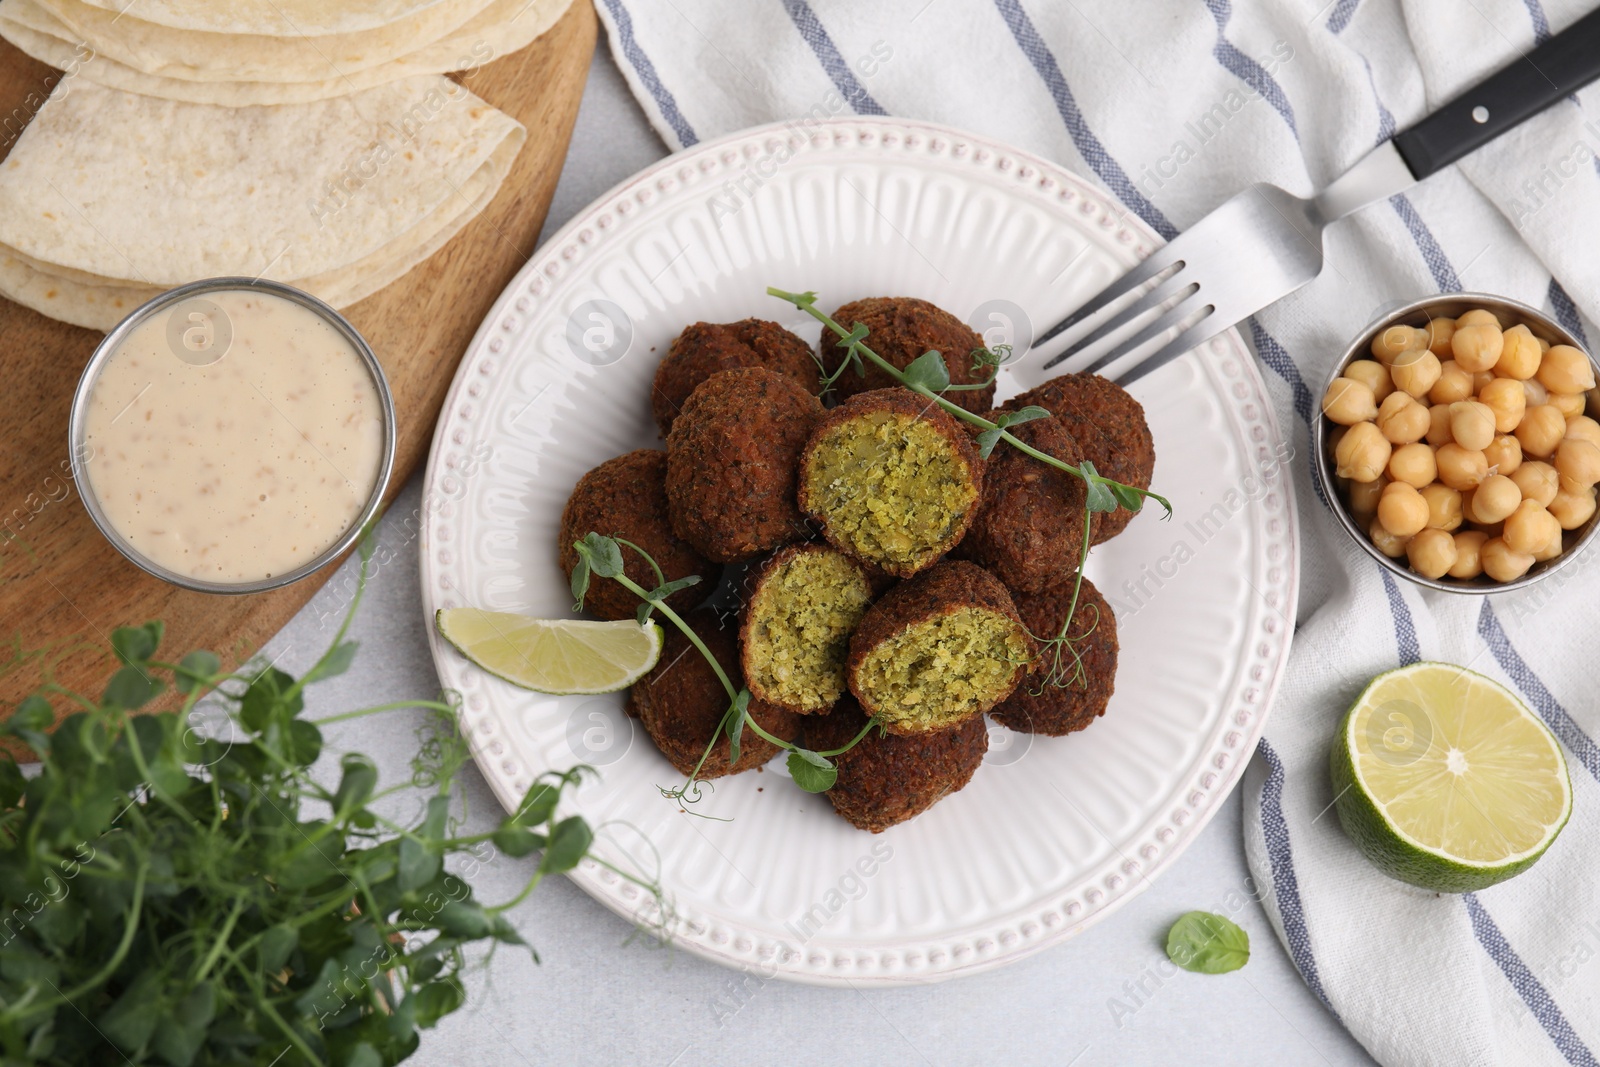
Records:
x=1174, y=105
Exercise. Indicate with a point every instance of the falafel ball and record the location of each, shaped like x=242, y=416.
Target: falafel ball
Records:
x=1040, y=707
x=806, y=601
x=1110, y=427
x=901, y=328
x=1029, y=529
x=887, y=779
x=892, y=479
x=938, y=649
x=705, y=348
x=733, y=456
x=681, y=703
x=627, y=497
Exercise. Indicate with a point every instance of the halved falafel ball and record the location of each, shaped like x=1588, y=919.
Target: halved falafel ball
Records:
x=732, y=459
x=892, y=479
x=805, y=603
x=887, y=779
x=901, y=328
x=627, y=497
x=1040, y=707
x=681, y=703
x=1029, y=528
x=707, y=348
x=1110, y=427
x=938, y=649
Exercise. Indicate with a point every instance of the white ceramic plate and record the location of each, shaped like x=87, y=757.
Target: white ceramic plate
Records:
x=1053, y=833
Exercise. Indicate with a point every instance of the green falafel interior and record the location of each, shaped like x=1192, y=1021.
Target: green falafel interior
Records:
x=944, y=669
x=798, y=628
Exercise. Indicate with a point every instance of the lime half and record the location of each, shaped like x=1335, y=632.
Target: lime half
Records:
x=1445, y=780
x=561, y=656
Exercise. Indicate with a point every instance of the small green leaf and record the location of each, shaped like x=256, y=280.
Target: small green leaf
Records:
x=131, y=687
x=603, y=554
x=463, y=918
x=661, y=592
x=132, y=1018
x=305, y=742
x=569, y=843
x=1027, y=414
x=136, y=644
x=12, y=783
x=275, y=945
x=30, y=722
x=811, y=772
x=1100, y=496
x=927, y=371
x=538, y=805
x=1127, y=496
x=1207, y=944
x=363, y=1055
x=987, y=439
x=858, y=333
x=195, y=668
x=517, y=841
x=264, y=700
x=336, y=662
x=580, y=583
x=434, y=1000
x=736, y=712
x=359, y=778
x=418, y=864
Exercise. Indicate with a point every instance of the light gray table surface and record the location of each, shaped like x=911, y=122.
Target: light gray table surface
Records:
x=1101, y=998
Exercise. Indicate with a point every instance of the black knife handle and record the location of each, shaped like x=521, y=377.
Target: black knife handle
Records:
x=1556, y=69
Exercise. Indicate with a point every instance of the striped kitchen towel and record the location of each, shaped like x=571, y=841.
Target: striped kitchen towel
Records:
x=1174, y=105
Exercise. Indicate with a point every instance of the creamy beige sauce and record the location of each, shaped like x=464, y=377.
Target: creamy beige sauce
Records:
x=244, y=468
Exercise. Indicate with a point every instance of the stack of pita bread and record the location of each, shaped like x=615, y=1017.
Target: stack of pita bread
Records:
x=314, y=142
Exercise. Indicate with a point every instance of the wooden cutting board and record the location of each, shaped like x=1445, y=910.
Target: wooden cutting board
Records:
x=63, y=588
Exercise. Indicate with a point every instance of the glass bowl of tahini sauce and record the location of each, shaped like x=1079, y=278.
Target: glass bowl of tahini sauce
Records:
x=232, y=435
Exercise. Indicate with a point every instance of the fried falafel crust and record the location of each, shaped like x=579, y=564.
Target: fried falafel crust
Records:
x=733, y=459
x=627, y=497
x=680, y=703
x=1029, y=528
x=1110, y=427
x=901, y=328
x=887, y=779
x=948, y=587
x=707, y=348
x=1057, y=710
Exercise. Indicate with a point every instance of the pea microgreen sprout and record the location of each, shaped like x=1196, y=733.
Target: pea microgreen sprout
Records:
x=601, y=556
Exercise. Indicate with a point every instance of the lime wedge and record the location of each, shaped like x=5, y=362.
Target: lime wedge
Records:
x=561, y=656
x=1445, y=780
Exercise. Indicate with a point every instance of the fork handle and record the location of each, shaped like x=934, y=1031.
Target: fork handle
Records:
x=1556, y=69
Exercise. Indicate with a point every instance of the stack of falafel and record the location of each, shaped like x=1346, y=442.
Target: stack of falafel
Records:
x=892, y=570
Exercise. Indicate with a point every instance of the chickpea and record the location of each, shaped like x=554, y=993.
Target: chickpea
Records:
x=1363, y=453
x=1576, y=461
x=1583, y=428
x=1389, y=544
x=1461, y=468
x=1438, y=425
x=1538, y=481
x=1415, y=371
x=1544, y=346
x=1373, y=375
x=1504, y=454
x=1413, y=464
x=1477, y=317
x=1468, y=564
x=1566, y=370
x=1453, y=384
x=1506, y=398
x=1541, y=430
x=1551, y=550
x=1528, y=529
x=1401, y=509
x=1472, y=424
x=1477, y=347
x=1572, y=507
x=1432, y=553
x=1534, y=393
x=1397, y=339
x=1402, y=420
x=1570, y=405
x=1501, y=562
x=1495, y=499
x=1444, y=507
x=1348, y=402
x=1519, y=354
x=1364, y=498
x=1439, y=333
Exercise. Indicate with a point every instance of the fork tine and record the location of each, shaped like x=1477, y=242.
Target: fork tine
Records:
x=1160, y=260
x=1198, y=334
x=1150, y=302
x=1174, y=316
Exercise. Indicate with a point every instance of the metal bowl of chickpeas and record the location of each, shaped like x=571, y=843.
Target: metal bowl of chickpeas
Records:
x=1458, y=443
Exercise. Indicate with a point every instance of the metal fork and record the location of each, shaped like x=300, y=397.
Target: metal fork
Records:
x=1265, y=243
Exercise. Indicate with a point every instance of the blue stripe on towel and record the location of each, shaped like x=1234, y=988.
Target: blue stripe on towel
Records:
x=1444, y=275
x=1285, y=886
x=1567, y=312
x=1541, y=25
x=1405, y=629
x=1088, y=145
x=1343, y=12
x=1276, y=357
x=646, y=70
x=1527, y=985
x=1549, y=708
x=1246, y=69
x=844, y=79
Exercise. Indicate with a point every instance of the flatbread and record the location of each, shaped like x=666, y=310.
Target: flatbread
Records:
x=85, y=248
x=312, y=18
x=505, y=26
x=207, y=56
